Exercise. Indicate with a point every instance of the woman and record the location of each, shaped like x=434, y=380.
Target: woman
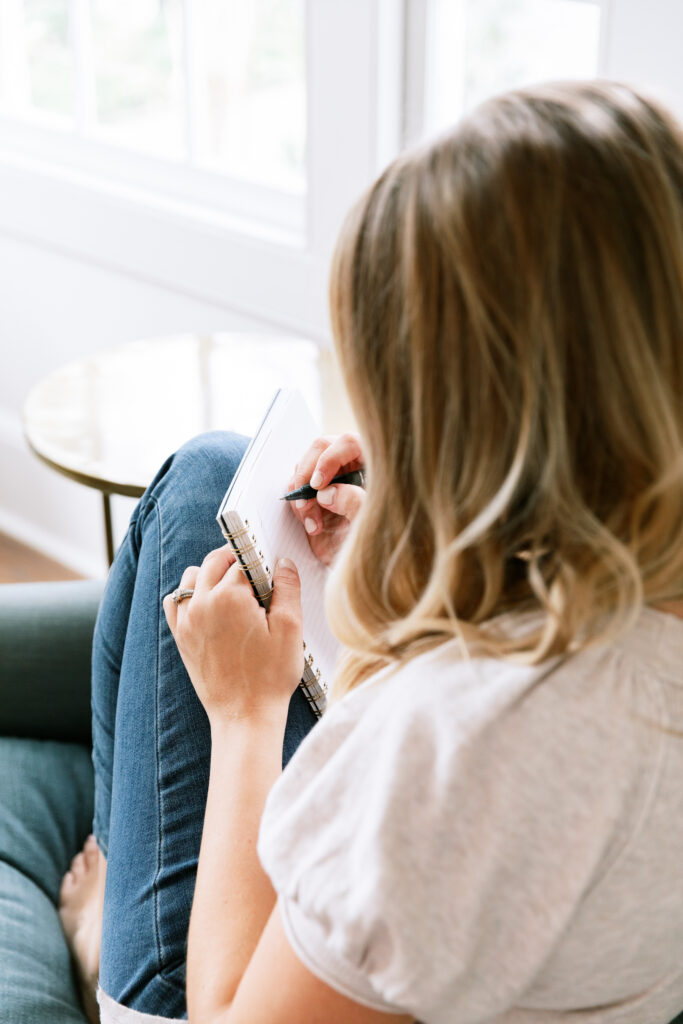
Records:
x=487, y=823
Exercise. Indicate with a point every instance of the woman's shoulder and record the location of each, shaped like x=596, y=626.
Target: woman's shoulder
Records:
x=603, y=683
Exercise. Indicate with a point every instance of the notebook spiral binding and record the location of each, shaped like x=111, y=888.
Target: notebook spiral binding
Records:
x=252, y=563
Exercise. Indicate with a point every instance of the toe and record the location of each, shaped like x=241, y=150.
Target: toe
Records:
x=66, y=888
x=91, y=851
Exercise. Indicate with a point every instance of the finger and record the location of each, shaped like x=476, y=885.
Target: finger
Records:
x=345, y=449
x=285, y=604
x=312, y=518
x=235, y=579
x=189, y=577
x=301, y=506
x=298, y=479
x=237, y=576
x=342, y=499
x=308, y=514
x=170, y=607
x=214, y=567
x=334, y=454
x=171, y=612
x=307, y=462
x=188, y=581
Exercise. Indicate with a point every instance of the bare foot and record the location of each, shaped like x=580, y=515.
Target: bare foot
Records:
x=81, y=900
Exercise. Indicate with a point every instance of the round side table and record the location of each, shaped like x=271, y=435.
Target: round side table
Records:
x=110, y=419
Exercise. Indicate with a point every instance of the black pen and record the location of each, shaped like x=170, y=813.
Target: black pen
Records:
x=307, y=492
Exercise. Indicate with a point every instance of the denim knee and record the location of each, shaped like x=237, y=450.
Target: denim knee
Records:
x=213, y=456
x=190, y=485
x=202, y=468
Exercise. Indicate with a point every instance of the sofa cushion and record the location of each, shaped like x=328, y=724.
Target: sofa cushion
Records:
x=46, y=796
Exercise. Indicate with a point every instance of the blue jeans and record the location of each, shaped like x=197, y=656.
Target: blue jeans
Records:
x=151, y=741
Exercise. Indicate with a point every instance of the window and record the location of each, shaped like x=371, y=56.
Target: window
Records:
x=215, y=86
x=210, y=147
x=214, y=146
x=476, y=48
x=35, y=69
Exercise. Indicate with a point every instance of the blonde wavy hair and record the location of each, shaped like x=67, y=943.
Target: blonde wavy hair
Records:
x=507, y=306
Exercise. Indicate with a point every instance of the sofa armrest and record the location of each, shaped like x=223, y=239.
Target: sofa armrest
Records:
x=46, y=634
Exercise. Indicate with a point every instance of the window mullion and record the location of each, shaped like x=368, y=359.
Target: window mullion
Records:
x=390, y=34
x=14, y=72
x=190, y=77
x=448, y=23
x=80, y=31
x=418, y=15
x=605, y=20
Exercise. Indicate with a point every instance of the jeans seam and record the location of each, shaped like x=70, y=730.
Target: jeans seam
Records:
x=155, y=886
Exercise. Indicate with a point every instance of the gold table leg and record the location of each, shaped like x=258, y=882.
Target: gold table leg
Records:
x=106, y=498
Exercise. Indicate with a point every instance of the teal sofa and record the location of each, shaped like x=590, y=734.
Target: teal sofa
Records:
x=46, y=789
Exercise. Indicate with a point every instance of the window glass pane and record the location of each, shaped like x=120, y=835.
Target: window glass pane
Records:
x=138, y=74
x=250, y=89
x=481, y=47
x=49, y=55
x=36, y=64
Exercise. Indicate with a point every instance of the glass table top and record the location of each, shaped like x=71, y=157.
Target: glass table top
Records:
x=111, y=418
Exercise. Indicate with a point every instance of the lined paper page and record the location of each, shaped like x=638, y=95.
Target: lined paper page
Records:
x=256, y=493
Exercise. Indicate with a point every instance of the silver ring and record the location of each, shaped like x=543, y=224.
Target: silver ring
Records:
x=181, y=593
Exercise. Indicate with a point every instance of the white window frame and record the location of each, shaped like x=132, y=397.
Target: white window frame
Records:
x=78, y=143
x=236, y=250
x=420, y=20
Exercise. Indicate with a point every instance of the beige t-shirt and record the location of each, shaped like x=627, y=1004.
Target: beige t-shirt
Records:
x=482, y=842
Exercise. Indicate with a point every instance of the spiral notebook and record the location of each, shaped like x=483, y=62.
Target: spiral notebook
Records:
x=261, y=528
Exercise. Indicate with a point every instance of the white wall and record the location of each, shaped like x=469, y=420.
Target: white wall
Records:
x=645, y=46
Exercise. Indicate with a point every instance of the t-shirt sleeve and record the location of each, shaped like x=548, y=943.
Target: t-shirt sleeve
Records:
x=428, y=855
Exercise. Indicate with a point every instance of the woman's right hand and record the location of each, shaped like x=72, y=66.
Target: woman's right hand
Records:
x=328, y=516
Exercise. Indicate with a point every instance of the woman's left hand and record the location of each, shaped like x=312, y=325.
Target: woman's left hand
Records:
x=243, y=662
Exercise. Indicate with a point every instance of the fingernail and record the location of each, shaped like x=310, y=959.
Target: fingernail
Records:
x=286, y=563
x=326, y=495
x=309, y=525
x=316, y=479
x=300, y=502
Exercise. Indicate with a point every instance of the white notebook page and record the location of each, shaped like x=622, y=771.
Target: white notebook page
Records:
x=256, y=492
